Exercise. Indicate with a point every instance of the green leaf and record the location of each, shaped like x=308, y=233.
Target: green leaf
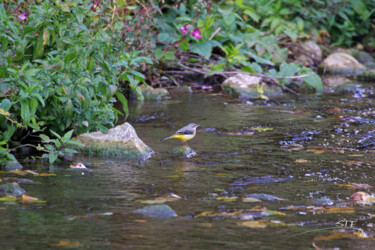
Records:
x=229, y=18
x=69, y=150
x=44, y=137
x=25, y=112
x=74, y=143
x=67, y=135
x=52, y=157
x=314, y=81
x=49, y=147
x=204, y=49
x=123, y=101
x=55, y=134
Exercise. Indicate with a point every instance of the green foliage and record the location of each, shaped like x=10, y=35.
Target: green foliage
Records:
x=57, y=147
x=60, y=69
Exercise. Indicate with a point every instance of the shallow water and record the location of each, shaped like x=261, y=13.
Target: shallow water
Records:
x=297, y=149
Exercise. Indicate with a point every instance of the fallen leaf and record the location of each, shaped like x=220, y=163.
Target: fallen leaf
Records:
x=63, y=243
x=301, y=161
x=46, y=174
x=260, y=129
x=8, y=198
x=28, y=199
x=227, y=199
x=17, y=172
x=340, y=210
x=253, y=224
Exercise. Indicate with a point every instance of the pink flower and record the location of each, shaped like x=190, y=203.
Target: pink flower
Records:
x=197, y=33
x=94, y=5
x=185, y=29
x=23, y=17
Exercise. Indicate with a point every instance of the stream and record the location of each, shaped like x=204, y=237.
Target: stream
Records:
x=305, y=152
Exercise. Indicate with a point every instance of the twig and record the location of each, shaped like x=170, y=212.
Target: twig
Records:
x=215, y=33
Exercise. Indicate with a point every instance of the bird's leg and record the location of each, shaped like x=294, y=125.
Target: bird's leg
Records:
x=186, y=144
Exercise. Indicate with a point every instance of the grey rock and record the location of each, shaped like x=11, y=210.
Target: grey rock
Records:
x=341, y=63
x=246, y=87
x=13, y=165
x=12, y=189
x=157, y=211
x=121, y=141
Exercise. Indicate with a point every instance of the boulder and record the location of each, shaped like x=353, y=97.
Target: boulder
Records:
x=368, y=75
x=121, y=141
x=341, y=63
x=149, y=93
x=246, y=87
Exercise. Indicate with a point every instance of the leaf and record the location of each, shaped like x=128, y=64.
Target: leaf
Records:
x=28, y=199
x=44, y=137
x=25, y=112
x=123, y=101
x=314, y=81
x=55, y=134
x=4, y=113
x=63, y=243
x=69, y=150
x=67, y=135
x=52, y=157
x=204, y=49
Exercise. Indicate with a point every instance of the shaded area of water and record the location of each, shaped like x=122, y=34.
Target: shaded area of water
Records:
x=298, y=150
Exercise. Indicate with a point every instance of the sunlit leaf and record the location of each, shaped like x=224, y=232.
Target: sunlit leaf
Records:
x=227, y=199
x=340, y=210
x=28, y=199
x=63, y=243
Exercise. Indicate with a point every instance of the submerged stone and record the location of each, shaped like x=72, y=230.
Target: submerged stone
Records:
x=246, y=180
x=150, y=93
x=157, y=211
x=13, y=165
x=121, y=141
x=263, y=197
x=246, y=87
x=12, y=189
x=322, y=202
x=182, y=151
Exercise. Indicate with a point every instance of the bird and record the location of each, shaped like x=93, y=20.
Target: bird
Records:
x=184, y=134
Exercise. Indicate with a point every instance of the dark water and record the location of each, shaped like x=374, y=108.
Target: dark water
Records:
x=295, y=149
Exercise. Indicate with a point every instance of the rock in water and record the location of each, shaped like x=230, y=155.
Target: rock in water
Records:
x=263, y=197
x=157, y=211
x=149, y=93
x=12, y=189
x=13, y=165
x=121, y=141
x=341, y=63
x=182, y=151
x=246, y=87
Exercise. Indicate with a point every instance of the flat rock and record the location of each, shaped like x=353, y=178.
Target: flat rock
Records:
x=263, y=197
x=120, y=141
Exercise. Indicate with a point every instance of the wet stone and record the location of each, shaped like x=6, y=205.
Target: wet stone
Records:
x=13, y=165
x=157, y=211
x=182, y=151
x=263, y=197
x=11, y=189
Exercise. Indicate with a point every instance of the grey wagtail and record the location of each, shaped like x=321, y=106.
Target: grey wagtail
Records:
x=184, y=134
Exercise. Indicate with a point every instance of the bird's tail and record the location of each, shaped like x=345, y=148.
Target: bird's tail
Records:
x=166, y=138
